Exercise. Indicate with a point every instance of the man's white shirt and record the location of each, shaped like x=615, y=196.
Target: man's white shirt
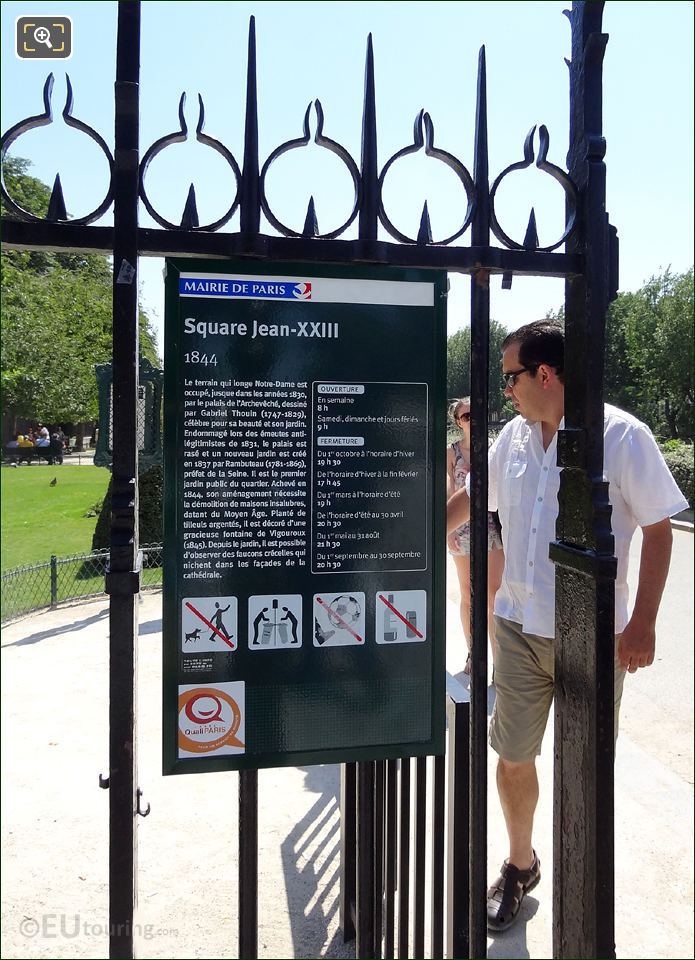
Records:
x=523, y=484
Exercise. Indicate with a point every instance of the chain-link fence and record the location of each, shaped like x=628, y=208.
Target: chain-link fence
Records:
x=41, y=585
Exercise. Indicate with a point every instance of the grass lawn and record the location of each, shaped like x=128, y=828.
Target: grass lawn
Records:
x=39, y=520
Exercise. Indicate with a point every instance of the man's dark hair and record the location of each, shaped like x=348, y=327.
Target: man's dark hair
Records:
x=540, y=342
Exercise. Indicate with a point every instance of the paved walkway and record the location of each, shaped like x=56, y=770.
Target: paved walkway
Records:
x=55, y=819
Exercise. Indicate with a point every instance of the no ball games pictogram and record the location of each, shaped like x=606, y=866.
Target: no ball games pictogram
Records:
x=336, y=616
x=214, y=629
x=411, y=626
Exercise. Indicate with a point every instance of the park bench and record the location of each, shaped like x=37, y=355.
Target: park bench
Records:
x=28, y=455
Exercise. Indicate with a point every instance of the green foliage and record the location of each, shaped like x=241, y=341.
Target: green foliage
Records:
x=648, y=360
x=649, y=354
x=558, y=314
x=39, y=519
x=679, y=459
x=458, y=367
x=150, y=512
x=57, y=310
x=28, y=192
x=33, y=195
x=151, y=505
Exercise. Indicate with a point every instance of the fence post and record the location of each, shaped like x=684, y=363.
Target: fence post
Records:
x=54, y=580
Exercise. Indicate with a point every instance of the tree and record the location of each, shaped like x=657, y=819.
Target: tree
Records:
x=57, y=321
x=648, y=360
x=649, y=351
x=458, y=367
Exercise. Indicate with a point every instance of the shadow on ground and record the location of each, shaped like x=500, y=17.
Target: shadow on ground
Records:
x=311, y=869
x=61, y=628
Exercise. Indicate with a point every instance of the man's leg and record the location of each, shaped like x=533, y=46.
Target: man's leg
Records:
x=517, y=786
x=524, y=679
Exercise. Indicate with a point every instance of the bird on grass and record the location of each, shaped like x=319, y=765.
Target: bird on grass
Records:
x=53, y=482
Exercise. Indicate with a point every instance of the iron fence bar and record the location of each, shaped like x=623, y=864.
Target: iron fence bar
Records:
x=583, y=814
x=419, y=863
x=438, y=848
x=155, y=242
x=122, y=579
x=365, y=860
x=404, y=860
x=348, y=840
x=249, y=222
x=379, y=837
x=480, y=324
x=391, y=857
x=458, y=828
x=248, y=864
x=54, y=580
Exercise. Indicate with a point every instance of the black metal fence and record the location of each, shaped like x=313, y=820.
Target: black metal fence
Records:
x=39, y=585
x=583, y=552
x=406, y=894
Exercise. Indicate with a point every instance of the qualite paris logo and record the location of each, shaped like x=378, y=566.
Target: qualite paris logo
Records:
x=302, y=291
x=211, y=719
x=44, y=38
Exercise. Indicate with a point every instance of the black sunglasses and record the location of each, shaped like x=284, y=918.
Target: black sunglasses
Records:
x=464, y=416
x=511, y=378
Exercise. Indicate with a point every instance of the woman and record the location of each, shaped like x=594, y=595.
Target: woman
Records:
x=458, y=468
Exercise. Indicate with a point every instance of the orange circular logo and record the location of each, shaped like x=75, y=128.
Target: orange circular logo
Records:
x=209, y=718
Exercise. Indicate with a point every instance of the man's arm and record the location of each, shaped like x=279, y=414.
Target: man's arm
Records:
x=458, y=510
x=638, y=640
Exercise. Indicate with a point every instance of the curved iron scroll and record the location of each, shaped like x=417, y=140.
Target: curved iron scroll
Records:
x=423, y=136
x=311, y=226
x=190, y=215
x=56, y=209
x=368, y=185
x=531, y=238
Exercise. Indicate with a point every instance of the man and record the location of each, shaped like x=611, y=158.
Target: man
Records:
x=523, y=483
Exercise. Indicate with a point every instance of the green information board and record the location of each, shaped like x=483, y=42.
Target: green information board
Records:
x=304, y=570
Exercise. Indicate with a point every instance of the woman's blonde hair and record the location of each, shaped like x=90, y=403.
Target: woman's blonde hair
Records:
x=454, y=405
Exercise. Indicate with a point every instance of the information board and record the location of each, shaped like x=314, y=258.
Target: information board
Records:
x=304, y=555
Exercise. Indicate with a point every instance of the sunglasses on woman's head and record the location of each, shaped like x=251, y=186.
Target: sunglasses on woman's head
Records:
x=464, y=416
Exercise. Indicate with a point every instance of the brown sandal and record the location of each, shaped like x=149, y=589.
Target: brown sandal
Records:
x=505, y=897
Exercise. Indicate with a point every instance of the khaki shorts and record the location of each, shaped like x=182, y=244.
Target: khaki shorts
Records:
x=524, y=687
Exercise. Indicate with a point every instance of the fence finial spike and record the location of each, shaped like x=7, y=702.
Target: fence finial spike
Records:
x=250, y=217
x=56, y=205
x=481, y=158
x=311, y=224
x=531, y=236
x=189, y=218
x=425, y=232
x=370, y=184
x=480, y=225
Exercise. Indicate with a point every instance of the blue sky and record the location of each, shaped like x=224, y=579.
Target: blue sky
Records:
x=426, y=57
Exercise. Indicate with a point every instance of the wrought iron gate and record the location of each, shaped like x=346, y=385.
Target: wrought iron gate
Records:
x=584, y=549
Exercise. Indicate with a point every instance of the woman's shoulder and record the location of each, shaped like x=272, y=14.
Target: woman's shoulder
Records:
x=461, y=454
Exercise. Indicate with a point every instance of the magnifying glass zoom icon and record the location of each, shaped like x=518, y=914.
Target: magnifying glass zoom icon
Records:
x=43, y=35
